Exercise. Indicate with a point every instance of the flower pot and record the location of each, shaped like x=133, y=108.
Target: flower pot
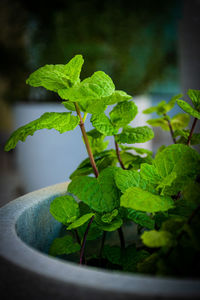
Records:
x=27, y=272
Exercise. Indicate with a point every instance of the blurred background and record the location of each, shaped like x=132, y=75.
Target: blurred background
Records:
x=151, y=49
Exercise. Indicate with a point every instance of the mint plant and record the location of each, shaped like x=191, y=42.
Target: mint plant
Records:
x=153, y=196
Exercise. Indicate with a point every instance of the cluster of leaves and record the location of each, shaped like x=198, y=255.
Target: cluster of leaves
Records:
x=158, y=196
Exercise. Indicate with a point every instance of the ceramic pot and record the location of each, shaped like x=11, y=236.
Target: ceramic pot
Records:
x=27, y=272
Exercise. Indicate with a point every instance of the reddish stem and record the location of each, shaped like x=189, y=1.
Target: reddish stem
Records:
x=191, y=132
x=118, y=156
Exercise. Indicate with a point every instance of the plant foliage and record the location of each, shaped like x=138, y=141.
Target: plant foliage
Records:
x=156, y=195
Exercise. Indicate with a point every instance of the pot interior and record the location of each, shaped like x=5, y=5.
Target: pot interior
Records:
x=36, y=226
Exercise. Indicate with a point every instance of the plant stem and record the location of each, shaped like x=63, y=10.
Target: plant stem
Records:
x=96, y=173
x=170, y=128
x=191, y=132
x=118, y=155
x=121, y=237
x=89, y=151
x=84, y=240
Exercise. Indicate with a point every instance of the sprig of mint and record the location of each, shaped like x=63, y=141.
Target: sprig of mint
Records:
x=126, y=187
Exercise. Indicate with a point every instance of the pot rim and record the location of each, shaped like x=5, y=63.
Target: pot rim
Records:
x=14, y=250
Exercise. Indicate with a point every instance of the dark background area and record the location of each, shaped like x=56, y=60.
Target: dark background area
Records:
x=135, y=42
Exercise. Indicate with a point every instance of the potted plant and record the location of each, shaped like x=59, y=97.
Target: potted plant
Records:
x=122, y=211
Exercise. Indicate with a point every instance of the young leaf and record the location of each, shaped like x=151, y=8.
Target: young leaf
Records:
x=159, y=122
x=114, y=224
x=62, y=122
x=172, y=102
x=180, y=121
x=103, y=124
x=117, y=96
x=142, y=200
x=137, y=150
x=131, y=135
x=107, y=218
x=100, y=194
x=69, y=105
x=123, y=113
x=156, y=239
x=159, y=109
x=56, y=77
x=64, y=209
x=79, y=222
x=195, y=97
x=163, y=107
x=96, y=140
x=63, y=245
x=102, y=159
x=188, y=109
x=96, y=87
x=140, y=218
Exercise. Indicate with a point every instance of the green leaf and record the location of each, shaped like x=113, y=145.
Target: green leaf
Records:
x=131, y=135
x=100, y=194
x=63, y=245
x=137, y=150
x=140, y=218
x=150, y=173
x=180, y=121
x=195, y=97
x=117, y=96
x=130, y=178
x=159, y=122
x=103, y=124
x=163, y=107
x=159, y=109
x=103, y=160
x=62, y=122
x=188, y=109
x=123, y=113
x=180, y=160
x=172, y=102
x=64, y=209
x=94, y=233
x=96, y=87
x=107, y=218
x=184, y=134
x=96, y=141
x=156, y=239
x=56, y=77
x=142, y=200
x=69, y=105
x=93, y=106
x=125, y=179
x=79, y=222
x=114, y=224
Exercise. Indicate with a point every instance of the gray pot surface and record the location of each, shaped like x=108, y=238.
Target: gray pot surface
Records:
x=27, y=228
